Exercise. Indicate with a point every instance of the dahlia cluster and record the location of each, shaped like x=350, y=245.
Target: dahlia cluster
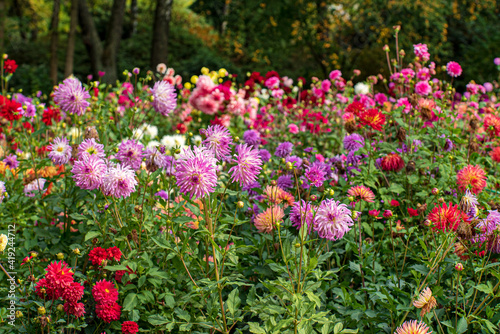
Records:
x=59, y=283
x=99, y=254
x=106, y=297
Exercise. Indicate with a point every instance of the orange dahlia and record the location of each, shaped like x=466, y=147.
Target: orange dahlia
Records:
x=413, y=327
x=373, y=118
x=425, y=301
x=392, y=162
x=446, y=217
x=277, y=195
x=362, y=193
x=266, y=220
x=495, y=154
x=471, y=177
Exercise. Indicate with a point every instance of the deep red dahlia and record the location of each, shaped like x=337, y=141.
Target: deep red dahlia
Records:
x=115, y=253
x=356, y=108
x=51, y=114
x=108, y=311
x=76, y=309
x=104, y=292
x=118, y=275
x=392, y=162
x=130, y=327
x=9, y=109
x=446, y=218
x=495, y=154
x=10, y=66
x=73, y=293
x=45, y=291
x=97, y=255
x=59, y=276
x=471, y=177
x=412, y=212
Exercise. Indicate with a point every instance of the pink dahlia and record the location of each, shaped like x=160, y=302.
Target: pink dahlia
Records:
x=60, y=151
x=130, y=153
x=90, y=147
x=413, y=327
x=218, y=140
x=196, y=175
x=119, y=181
x=164, y=98
x=58, y=277
x=247, y=167
x=88, y=172
x=362, y=193
x=108, y=312
x=471, y=177
x=454, y=69
x=76, y=309
x=266, y=221
x=333, y=220
x=72, y=97
x=130, y=327
x=423, y=88
x=73, y=293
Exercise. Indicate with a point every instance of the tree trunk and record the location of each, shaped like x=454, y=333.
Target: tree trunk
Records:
x=134, y=11
x=115, y=27
x=90, y=36
x=70, y=51
x=54, y=39
x=161, y=27
x=2, y=26
x=18, y=10
x=225, y=15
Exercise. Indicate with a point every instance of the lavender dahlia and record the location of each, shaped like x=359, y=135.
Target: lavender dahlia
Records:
x=218, y=140
x=285, y=181
x=248, y=165
x=11, y=161
x=195, y=174
x=60, y=151
x=90, y=147
x=130, y=153
x=302, y=212
x=119, y=181
x=316, y=173
x=89, y=172
x=284, y=150
x=333, y=220
x=71, y=96
x=353, y=142
x=164, y=97
x=252, y=137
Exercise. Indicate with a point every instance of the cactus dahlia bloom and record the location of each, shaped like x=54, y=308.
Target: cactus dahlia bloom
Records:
x=413, y=327
x=362, y=193
x=247, y=167
x=277, y=195
x=392, y=162
x=495, y=154
x=425, y=301
x=164, y=98
x=71, y=96
x=267, y=220
x=373, y=118
x=88, y=173
x=446, y=218
x=60, y=151
x=471, y=177
x=218, y=140
x=196, y=175
x=90, y=147
x=333, y=220
x=302, y=212
x=119, y=181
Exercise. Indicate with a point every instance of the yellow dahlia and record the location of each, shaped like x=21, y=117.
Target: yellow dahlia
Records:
x=425, y=301
x=413, y=327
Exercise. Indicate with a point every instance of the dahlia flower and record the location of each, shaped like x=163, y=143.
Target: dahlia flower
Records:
x=130, y=153
x=492, y=125
x=454, y=69
x=425, y=301
x=196, y=175
x=58, y=277
x=164, y=97
x=392, y=162
x=76, y=309
x=302, y=212
x=247, y=166
x=423, y=88
x=60, y=151
x=11, y=161
x=488, y=228
x=119, y=181
x=264, y=154
x=373, y=118
x=413, y=327
x=252, y=137
x=495, y=154
x=468, y=202
x=104, y=292
x=35, y=187
x=362, y=193
x=421, y=51
x=72, y=97
x=266, y=221
x=90, y=147
x=88, y=173
x=114, y=253
x=108, y=312
x=471, y=177
x=97, y=255
x=130, y=327
x=333, y=220
x=284, y=150
x=73, y=293
x=446, y=217
x=316, y=174
x=353, y=142
x=285, y=181
x=218, y=140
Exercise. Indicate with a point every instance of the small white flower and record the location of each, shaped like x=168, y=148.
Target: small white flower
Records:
x=361, y=88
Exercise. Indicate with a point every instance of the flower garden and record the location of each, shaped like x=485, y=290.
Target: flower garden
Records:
x=265, y=204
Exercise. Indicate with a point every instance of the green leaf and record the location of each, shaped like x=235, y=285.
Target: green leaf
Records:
x=255, y=328
x=77, y=216
x=142, y=280
x=484, y=288
x=92, y=235
x=338, y=327
x=130, y=302
x=462, y=326
x=233, y=301
x=396, y=188
x=116, y=267
x=169, y=300
x=184, y=315
x=157, y=320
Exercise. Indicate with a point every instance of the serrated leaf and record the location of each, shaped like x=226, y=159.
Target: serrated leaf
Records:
x=462, y=326
x=130, y=302
x=157, y=320
x=92, y=235
x=255, y=328
x=233, y=301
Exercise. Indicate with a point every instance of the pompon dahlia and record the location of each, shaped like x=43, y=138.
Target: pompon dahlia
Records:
x=73, y=293
x=392, y=163
x=302, y=212
x=362, y=193
x=373, y=118
x=164, y=98
x=247, y=167
x=119, y=181
x=108, y=312
x=115, y=253
x=353, y=142
x=267, y=220
x=71, y=96
x=104, y=292
x=454, y=69
x=76, y=309
x=97, y=255
x=196, y=175
x=130, y=153
x=130, y=327
x=88, y=173
x=60, y=151
x=218, y=140
x=446, y=217
x=413, y=327
x=471, y=177
x=90, y=147
x=492, y=124
x=495, y=154
x=333, y=220
x=425, y=301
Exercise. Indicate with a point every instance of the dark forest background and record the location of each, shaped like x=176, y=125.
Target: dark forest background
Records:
x=51, y=39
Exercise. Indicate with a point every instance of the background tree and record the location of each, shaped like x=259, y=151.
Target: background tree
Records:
x=161, y=28
x=70, y=50
x=54, y=40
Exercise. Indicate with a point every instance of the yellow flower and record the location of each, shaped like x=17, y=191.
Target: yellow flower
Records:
x=194, y=79
x=222, y=72
x=205, y=70
x=425, y=301
x=3, y=242
x=187, y=85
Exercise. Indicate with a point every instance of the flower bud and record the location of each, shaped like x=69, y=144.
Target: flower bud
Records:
x=314, y=197
x=459, y=266
x=76, y=251
x=60, y=307
x=60, y=256
x=435, y=191
x=41, y=310
x=240, y=204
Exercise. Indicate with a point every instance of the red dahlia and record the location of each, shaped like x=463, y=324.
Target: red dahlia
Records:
x=10, y=66
x=446, y=218
x=392, y=162
x=108, y=311
x=130, y=327
x=104, y=292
